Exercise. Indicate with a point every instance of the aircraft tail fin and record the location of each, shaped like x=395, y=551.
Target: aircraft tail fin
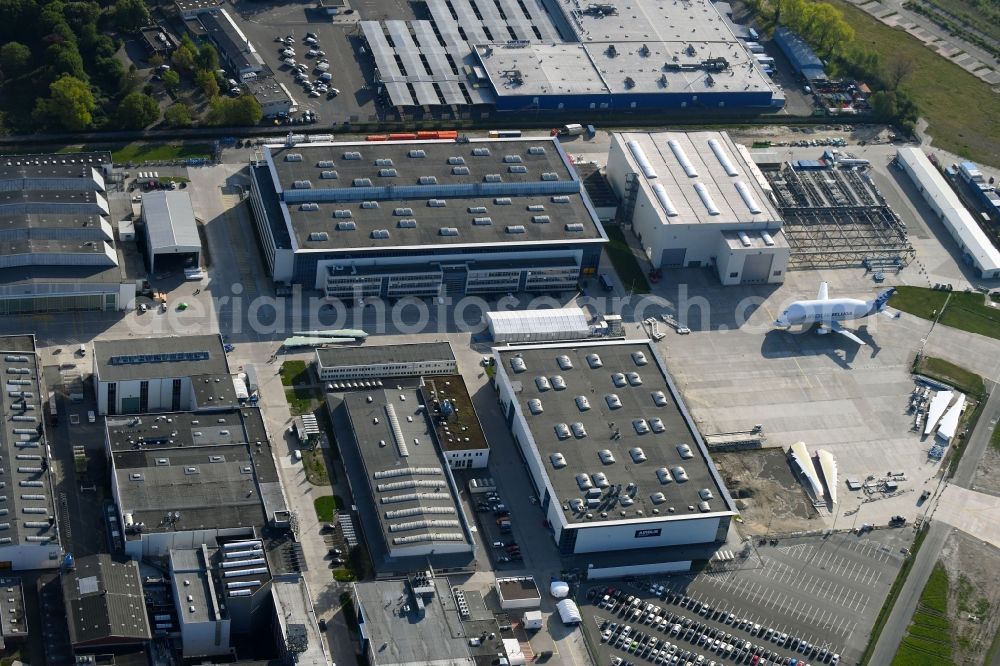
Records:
x=879, y=302
x=824, y=292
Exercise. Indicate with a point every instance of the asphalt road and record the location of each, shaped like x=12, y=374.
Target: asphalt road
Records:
x=906, y=603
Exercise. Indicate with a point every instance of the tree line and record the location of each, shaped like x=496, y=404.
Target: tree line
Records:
x=59, y=70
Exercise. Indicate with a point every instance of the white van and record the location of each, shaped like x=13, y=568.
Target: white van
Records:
x=91, y=417
x=297, y=455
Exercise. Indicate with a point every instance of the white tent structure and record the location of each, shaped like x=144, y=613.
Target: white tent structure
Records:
x=558, y=589
x=828, y=465
x=538, y=325
x=171, y=228
x=949, y=422
x=569, y=613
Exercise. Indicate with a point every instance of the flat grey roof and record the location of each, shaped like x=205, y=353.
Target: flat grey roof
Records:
x=13, y=618
x=548, y=183
x=367, y=354
x=100, y=158
x=144, y=358
x=235, y=46
x=40, y=224
x=63, y=275
x=28, y=171
x=211, y=468
x=267, y=89
x=518, y=587
x=405, y=472
x=710, y=171
x=104, y=601
x=612, y=429
x=170, y=222
x=27, y=504
x=391, y=620
x=84, y=198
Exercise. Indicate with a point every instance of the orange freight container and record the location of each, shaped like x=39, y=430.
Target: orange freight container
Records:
x=402, y=136
x=376, y=137
x=448, y=134
x=427, y=135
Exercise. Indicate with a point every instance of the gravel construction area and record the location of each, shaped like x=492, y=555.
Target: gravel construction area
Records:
x=973, y=596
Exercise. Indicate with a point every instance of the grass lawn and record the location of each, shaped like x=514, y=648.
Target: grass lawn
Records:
x=924, y=303
x=626, y=265
x=295, y=372
x=966, y=311
x=995, y=438
x=326, y=506
x=301, y=400
x=141, y=152
x=314, y=464
x=962, y=110
x=928, y=638
x=962, y=379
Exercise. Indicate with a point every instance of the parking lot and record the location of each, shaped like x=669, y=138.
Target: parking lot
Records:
x=351, y=71
x=823, y=592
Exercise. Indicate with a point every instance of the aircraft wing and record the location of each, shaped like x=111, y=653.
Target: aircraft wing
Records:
x=891, y=314
x=837, y=328
x=824, y=292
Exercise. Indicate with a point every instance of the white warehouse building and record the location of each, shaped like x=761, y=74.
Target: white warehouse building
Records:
x=511, y=326
x=612, y=451
x=334, y=364
x=696, y=199
x=977, y=248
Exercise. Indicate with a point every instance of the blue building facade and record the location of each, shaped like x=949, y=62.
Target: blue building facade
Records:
x=806, y=63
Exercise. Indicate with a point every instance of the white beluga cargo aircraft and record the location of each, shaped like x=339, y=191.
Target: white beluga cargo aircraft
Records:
x=829, y=312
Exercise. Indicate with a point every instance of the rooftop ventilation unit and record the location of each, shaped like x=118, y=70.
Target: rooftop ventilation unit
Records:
x=517, y=168
x=416, y=152
x=661, y=195
x=502, y=201
x=369, y=205
x=481, y=152
x=517, y=364
x=682, y=158
x=387, y=173
x=657, y=498
x=768, y=239
x=723, y=157
x=640, y=425
x=583, y=482
x=633, y=378
x=325, y=164
x=407, y=224
x=536, y=150
x=704, y=507
x=618, y=378
x=383, y=162
x=565, y=363
x=748, y=198
x=578, y=430
x=437, y=203
x=400, y=212
x=594, y=361
x=482, y=221
x=427, y=180
x=562, y=431
x=600, y=480
x=447, y=231
x=606, y=456
x=659, y=398
x=550, y=175
x=542, y=383
x=663, y=475
x=319, y=236
x=540, y=219
x=309, y=206
x=477, y=210
x=639, y=358
x=328, y=175
x=343, y=213
x=362, y=182
x=680, y=475
x=515, y=229
x=512, y=159
x=656, y=423
x=536, y=208
x=706, y=198
x=582, y=403
x=353, y=155
x=638, y=455
x=380, y=234
x=293, y=157
x=302, y=184
x=460, y=171
x=685, y=451
x=558, y=383
x=705, y=494
x=614, y=402
x=640, y=158
x=456, y=160
x=347, y=225
x=560, y=199
x=744, y=239
x=493, y=178
x=574, y=226
x=535, y=405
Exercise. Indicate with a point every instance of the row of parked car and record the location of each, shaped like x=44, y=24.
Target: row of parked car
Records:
x=631, y=608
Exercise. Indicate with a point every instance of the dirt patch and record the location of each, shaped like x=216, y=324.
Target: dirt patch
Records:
x=769, y=498
x=973, y=596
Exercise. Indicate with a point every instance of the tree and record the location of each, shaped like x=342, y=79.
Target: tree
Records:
x=183, y=59
x=109, y=74
x=14, y=59
x=897, y=70
x=177, y=115
x=243, y=111
x=137, y=111
x=208, y=83
x=884, y=105
x=207, y=58
x=171, y=80
x=155, y=60
x=70, y=104
x=65, y=58
x=130, y=15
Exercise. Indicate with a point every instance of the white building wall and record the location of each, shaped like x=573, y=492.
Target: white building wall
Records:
x=377, y=371
x=595, y=573
x=731, y=261
x=471, y=459
x=160, y=395
x=646, y=534
x=198, y=638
